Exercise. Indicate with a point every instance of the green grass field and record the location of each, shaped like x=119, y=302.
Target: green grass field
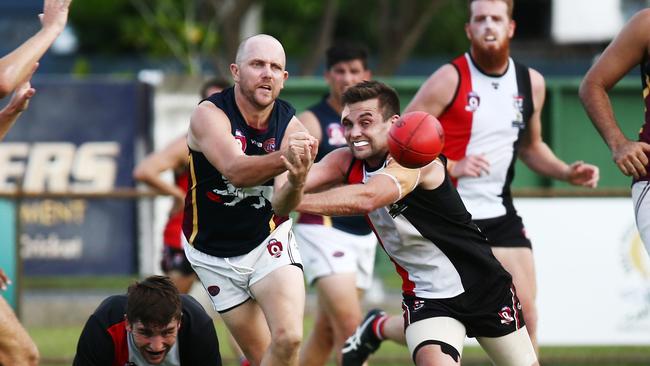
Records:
x=57, y=346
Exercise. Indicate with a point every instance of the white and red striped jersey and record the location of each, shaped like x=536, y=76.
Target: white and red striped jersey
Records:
x=429, y=236
x=487, y=115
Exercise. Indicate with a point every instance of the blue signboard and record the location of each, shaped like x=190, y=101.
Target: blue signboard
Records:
x=8, y=261
x=77, y=136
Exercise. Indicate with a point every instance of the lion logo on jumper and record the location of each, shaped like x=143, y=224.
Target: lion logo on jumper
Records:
x=260, y=195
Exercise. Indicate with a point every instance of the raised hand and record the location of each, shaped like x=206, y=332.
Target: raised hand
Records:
x=18, y=103
x=55, y=14
x=20, y=100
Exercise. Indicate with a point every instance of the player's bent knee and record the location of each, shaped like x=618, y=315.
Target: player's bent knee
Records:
x=286, y=343
x=348, y=325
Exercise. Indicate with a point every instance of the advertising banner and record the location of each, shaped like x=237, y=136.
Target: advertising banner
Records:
x=80, y=137
x=592, y=269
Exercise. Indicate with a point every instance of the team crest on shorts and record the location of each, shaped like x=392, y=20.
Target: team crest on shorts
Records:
x=418, y=304
x=214, y=290
x=275, y=248
x=506, y=315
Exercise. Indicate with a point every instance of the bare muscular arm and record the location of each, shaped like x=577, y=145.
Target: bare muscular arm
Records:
x=539, y=157
x=624, y=53
x=210, y=134
x=433, y=97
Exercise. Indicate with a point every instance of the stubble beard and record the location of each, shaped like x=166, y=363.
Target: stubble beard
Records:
x=253, y=100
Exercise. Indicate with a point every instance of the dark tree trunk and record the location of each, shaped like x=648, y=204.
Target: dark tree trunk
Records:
x=322, y=38
x=400, y=29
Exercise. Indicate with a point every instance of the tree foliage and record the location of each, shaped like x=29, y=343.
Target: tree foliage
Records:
x=198, y=31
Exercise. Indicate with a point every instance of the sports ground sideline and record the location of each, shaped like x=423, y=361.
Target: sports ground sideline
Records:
x=54, y=317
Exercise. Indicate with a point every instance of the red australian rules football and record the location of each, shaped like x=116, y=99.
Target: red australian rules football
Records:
x=416, y=139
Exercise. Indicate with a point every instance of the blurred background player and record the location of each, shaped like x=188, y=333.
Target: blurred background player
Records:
x=17, y=104
x=239, y=242
x=16, y=346
x=338, y=252
x=629, y=49
x=16, y=69
x=174, y=157
x=452, y=285
x=151, y=325
x=490, y=108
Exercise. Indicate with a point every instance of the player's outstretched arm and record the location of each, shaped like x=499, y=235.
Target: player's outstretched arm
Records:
x=624, y=53
x=17, y=65
x=436, y=93
x=354, y=199
x=18, y=103
x=173, y=156
x=539, y=157
x=210, y=134
x=433, y=97
x=387, y=186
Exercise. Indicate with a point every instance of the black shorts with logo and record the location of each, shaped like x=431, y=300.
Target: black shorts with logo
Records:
x=505, y=231
x=174, y=260
x=485, y=310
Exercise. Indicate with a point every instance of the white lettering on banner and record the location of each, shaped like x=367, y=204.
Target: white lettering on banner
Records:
x=59, y=166
x=10, y=166
x=50, y=247
x=49, y=213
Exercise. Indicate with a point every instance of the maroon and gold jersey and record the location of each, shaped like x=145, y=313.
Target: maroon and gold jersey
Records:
x=644, y=134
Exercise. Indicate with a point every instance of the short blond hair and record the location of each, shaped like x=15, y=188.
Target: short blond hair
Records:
x=509, y=3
